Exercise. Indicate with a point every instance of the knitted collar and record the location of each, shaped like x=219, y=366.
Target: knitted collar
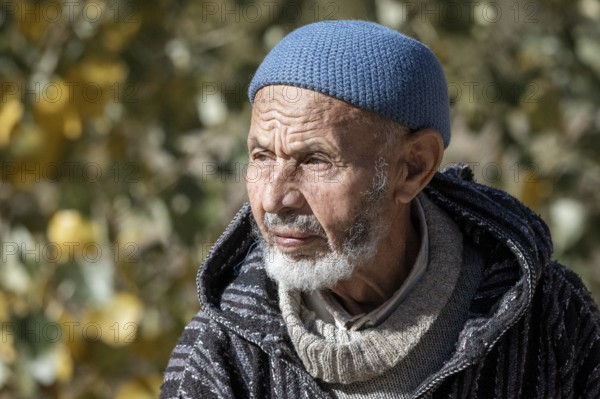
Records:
x=341, y=356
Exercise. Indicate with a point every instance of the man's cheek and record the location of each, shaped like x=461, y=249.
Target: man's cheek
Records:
x=254, y=193
x=253, y=173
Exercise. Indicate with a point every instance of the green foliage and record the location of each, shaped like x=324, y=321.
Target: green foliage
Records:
x=122, y=147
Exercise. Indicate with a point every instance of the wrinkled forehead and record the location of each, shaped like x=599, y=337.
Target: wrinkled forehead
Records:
x=299, y=102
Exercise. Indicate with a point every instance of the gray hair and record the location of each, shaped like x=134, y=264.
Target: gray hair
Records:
x=388, y=132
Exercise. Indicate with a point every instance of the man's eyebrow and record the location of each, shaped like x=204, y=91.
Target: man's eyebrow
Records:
x=253, y=142
x=314, y=147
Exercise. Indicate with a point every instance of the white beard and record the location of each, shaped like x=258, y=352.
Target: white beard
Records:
x=330, y=266
x=307, y=274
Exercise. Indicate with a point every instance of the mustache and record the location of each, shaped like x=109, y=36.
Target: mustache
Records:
x=303, y=223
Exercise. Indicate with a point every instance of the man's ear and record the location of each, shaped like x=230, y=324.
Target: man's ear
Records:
x=422, y=153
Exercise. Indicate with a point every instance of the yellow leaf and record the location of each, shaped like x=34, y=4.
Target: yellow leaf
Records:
x=8, y=353
x=27, y=141
x=10, y=114
x=119, y=35
x=64, y=363
x=534, y=193
x=119, y=319
x=72, y=233
x=103, y=73
x=52, y=97
x=145, y=388
x=74, y=334
x=4, y=311
x=31, y=19
x=73, y=126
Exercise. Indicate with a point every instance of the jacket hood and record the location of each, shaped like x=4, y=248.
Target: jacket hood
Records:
x=504, y=229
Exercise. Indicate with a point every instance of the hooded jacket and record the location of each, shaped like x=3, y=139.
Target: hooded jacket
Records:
x=533, y=330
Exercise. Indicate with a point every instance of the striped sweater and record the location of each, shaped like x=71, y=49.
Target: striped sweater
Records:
x=532, y=329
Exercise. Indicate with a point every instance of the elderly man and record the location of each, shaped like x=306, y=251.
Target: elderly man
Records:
x=357, y=270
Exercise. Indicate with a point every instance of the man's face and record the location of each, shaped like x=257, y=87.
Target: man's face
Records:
x=316, y=185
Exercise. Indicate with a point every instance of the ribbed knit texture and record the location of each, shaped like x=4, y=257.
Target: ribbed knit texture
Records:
x=434, y=348
x=365, y=64
x=342, y=356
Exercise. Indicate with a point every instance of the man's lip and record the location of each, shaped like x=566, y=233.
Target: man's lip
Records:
x=289, y=239
x=291, y=234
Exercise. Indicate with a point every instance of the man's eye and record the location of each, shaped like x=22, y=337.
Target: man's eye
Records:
x=317, y=162
x=262, y=157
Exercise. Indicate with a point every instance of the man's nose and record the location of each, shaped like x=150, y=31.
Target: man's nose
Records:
x=282, y=191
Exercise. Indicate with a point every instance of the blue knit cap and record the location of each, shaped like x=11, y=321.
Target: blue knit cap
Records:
x=365, y=64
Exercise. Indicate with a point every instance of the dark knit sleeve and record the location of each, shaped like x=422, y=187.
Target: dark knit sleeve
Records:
x=208, y=363
x=572, y=324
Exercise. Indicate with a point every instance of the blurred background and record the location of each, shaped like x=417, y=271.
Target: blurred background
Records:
x=122, y=149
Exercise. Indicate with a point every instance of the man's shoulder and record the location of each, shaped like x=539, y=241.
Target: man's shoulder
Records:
x=198, y=333
x=207, y=361
x=565, y=322
x=201, y=331
x=225, y=347
x=491, y=217
x=456, y=184
x=562, y=288
x=198, y=326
